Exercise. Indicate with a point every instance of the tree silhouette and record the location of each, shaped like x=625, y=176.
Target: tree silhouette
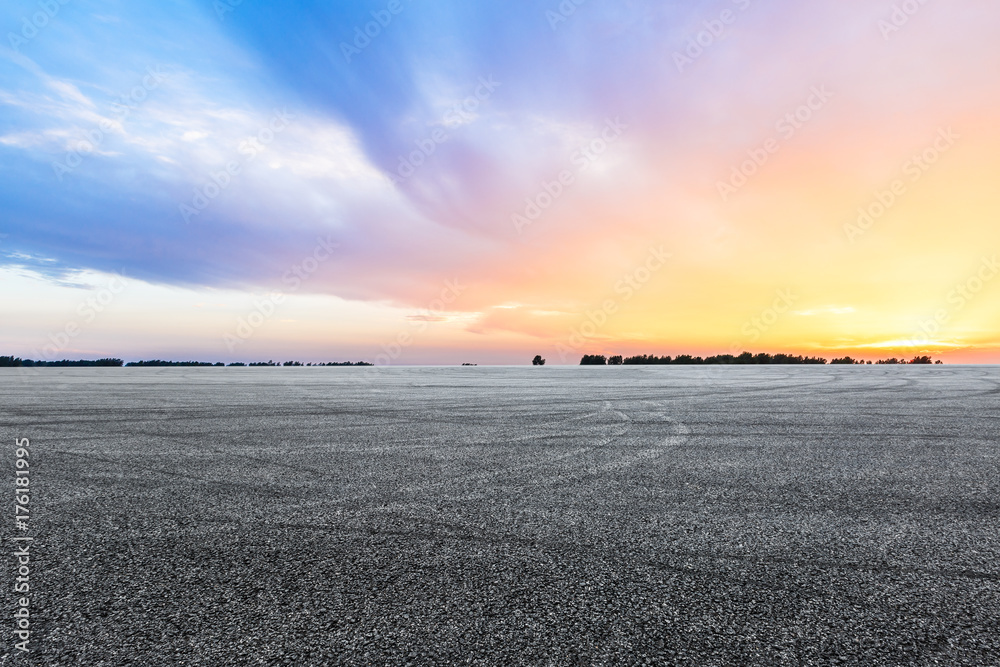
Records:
x=538, y=361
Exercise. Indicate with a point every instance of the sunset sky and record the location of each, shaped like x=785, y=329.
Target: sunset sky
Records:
x=445, y=181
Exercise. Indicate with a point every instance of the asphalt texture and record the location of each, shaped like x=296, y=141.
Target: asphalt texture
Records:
x=504, y=516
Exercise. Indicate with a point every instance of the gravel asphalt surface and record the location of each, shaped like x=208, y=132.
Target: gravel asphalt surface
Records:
x=545, y=516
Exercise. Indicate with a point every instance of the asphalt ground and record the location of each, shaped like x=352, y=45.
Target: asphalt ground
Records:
x=771, y=515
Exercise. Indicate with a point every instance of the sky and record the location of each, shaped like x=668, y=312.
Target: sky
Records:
x=444, y=181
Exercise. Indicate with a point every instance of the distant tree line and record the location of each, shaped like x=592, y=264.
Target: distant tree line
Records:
x=883, y=362
x=299, y=363
x=160, y=362
x=594, y=360
x=747, y=359
x=342, y=363
x=915, y=360
x=13, y=362
x=252, y=364
x=16, y=362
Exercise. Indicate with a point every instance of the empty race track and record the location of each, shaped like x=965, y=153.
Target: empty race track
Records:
x=774, y=515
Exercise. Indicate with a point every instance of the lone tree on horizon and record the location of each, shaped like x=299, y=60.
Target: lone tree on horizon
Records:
x=538, y=361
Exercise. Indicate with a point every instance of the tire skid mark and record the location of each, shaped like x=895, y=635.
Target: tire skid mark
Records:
x=241, y=486
x=542, y=472
x=483, y=477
